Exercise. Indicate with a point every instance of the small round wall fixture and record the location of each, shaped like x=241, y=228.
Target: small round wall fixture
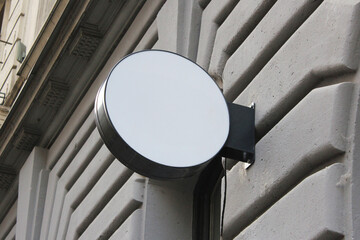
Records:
x=161, y=115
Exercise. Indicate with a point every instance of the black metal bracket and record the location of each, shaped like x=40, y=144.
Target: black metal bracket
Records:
x=240, y=144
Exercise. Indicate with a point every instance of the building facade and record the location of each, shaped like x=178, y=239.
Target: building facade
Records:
x=297, y=60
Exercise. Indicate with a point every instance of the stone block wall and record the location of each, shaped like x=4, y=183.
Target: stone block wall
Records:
x=296, y=59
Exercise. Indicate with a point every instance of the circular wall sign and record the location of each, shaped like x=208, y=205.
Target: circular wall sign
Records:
x=161, y=115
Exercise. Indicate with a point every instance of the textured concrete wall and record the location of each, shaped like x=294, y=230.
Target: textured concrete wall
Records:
x=296, y=59
x=290, y=58
x=32, y=183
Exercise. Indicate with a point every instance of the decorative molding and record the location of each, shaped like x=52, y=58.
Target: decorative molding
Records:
x=26, y=139
x=86, y=41
x=54, y=94
x=7, y=176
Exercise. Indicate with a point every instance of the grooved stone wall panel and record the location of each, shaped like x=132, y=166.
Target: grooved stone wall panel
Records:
x=56, y=210
x=149, y=38
x=9, y=221
x=178, y=24
x=62, y=151
x=283, y=158
x=39, y=204
x=82, y=186
x=82, y=159
x=312, y=210
x=354, y=170
x=119, y=208
x=270, y=34
x=236, y=28
x=303, y=61
x=75, y=168
x=28, y=190
x=167, y=24
x=129, y=230
x=12, y=234
x=110, y=182
x=49, y=203
x=213, y=15
x=189, y=30
x=58, y=166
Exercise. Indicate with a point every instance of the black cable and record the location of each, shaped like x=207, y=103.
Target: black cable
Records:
x=224, y=201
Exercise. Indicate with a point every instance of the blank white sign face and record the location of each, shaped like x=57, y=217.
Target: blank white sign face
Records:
x=167, y=108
